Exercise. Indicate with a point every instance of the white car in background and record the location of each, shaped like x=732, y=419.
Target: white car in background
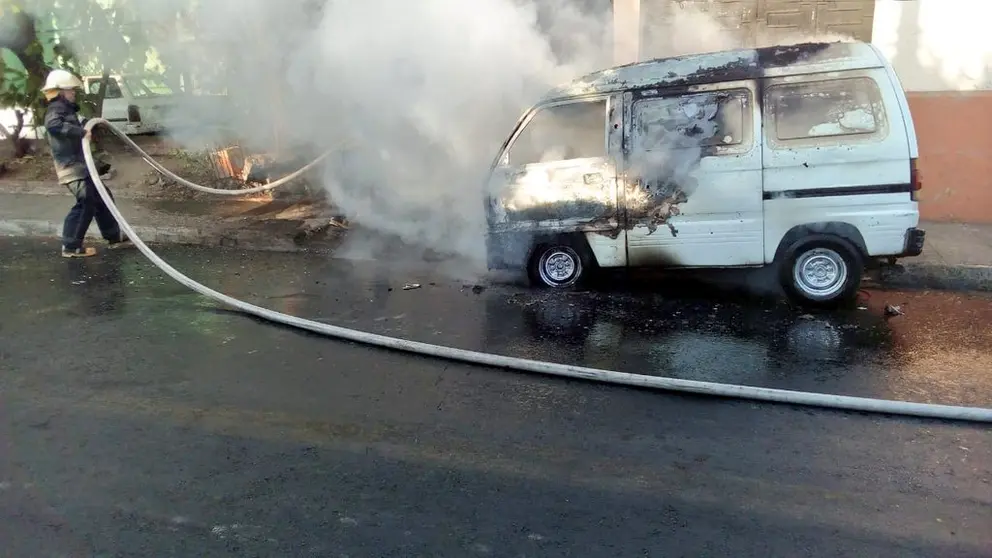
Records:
x=135, y=104
x=146, y=104
x=141, y=104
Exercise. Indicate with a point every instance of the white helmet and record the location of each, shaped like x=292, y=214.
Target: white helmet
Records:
x=61, y=79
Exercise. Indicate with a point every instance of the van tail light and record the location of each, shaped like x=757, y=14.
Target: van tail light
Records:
x=915, y=181
x=133, y=115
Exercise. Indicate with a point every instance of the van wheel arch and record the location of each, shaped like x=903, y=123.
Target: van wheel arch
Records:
x=576, y=241
x=840, y=229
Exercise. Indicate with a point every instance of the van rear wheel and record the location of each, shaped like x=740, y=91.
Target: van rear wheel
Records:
x=822, y=271
x=559, y=265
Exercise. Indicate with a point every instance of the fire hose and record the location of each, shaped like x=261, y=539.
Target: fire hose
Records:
x=840, y=402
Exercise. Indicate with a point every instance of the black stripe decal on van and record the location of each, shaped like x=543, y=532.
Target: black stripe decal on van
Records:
x=840, y=191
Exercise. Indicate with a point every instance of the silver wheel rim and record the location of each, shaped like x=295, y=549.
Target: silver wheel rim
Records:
x=559, y=266
x=820, y=273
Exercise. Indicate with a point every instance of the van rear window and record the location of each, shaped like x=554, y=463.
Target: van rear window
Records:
x=840, y=107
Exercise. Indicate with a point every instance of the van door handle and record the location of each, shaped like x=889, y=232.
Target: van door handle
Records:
x=592, y=178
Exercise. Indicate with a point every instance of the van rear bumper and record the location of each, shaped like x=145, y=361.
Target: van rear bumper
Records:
x=915, y=239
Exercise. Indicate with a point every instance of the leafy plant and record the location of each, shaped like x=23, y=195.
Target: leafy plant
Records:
x=19, y=88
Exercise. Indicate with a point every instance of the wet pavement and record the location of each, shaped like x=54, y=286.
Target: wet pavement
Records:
x=138, y=419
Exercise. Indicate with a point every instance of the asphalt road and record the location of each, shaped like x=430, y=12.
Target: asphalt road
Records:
x=139, y=420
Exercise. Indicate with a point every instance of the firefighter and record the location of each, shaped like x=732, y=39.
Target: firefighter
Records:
x=64, y=127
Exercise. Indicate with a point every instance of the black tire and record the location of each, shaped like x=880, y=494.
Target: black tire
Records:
x=821, y=271
x=560, y=264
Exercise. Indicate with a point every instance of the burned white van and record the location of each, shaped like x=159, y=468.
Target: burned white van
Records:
x=802, y=156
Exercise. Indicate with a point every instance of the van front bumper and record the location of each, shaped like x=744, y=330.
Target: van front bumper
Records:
x=915, y=239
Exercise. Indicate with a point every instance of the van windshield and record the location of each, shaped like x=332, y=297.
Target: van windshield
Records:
x=561, y=132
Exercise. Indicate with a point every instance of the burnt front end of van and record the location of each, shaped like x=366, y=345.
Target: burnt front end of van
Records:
x=506, y=248
x=495, y=244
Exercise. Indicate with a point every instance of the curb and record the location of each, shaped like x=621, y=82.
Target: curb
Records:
x=939, y=277
x=257, y=237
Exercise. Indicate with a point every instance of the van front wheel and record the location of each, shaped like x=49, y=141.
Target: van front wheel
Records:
x=557, y=265
x=822, y=271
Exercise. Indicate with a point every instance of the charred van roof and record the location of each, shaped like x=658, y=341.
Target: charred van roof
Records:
x=727, y=65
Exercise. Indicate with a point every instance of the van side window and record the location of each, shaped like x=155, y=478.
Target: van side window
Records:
x=562, y=132
x=840, y=107
x=700, y=120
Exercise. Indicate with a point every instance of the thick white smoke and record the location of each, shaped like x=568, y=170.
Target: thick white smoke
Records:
x=426, y=100
x=426, y=92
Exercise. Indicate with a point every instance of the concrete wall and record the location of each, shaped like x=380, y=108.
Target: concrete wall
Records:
x=936, y=45
x=942, y=51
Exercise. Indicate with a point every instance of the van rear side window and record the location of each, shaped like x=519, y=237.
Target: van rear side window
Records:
x=557, y=133
x=840, y=107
